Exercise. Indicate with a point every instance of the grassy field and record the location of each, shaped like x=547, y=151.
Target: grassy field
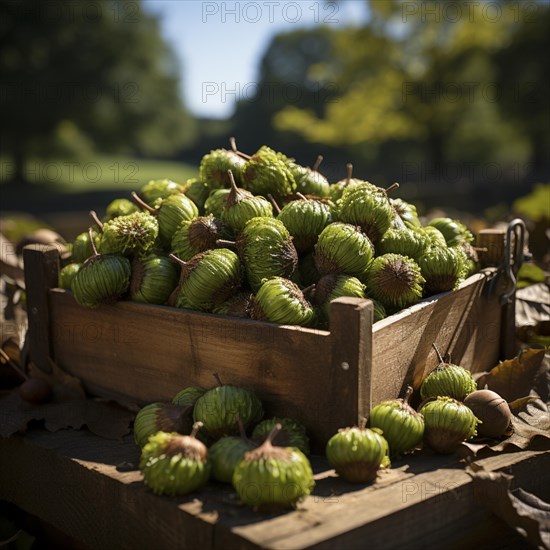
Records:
x=100, y=173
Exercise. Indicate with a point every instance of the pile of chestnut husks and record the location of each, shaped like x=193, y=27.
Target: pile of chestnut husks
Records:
x=228, y=441
x=262, y=237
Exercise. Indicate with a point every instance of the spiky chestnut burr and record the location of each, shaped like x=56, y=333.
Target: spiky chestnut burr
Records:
x=379, y=311
x=368, y=207
x=188, y=396
x=265, y=173
x=119, y=207
x=174, y=464
x=66, y=275
x=213, y=206
x=449, y=380
x=335, y=286
x=402, y=426
x=337, y=189
x=239, y=305
x=102, y=279
x=154, y=190
x=455, y=232
x=407, y=242
x=198, y=191
x=442, y=268
x=447, y=423
x=491, y=410
x=240, y=206
x=343, y=248
x=207, y=280
x=357, y=453
x=196, y=236
x=214, y=166
x=271, y=477
x=406, y=212
x=160, y=417
x=132, y=234
x=82, y=247
x=220, y=408
x=305, y=219
x=266, y=248
x=395, y=281
x=292, y=433
x=281, y=301
x=308, y=273
x=153, y=279
x=436, y=237
x=309, y=181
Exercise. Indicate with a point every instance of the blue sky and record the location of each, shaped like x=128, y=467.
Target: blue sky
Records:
x=220, y=44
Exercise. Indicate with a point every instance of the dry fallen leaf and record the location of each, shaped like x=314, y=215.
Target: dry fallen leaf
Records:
x=514, y=378
x=522, y=511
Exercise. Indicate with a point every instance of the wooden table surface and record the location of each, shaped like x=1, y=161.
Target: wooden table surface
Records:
x=69, y=480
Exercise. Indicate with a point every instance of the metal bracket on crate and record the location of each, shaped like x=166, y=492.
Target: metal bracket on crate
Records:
x=515, y=244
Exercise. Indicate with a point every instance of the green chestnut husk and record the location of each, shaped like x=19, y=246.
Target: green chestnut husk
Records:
x=214, y=167
x=220, y=409
x=305, y=219
x=214, y=204
x=188, y=396
x=406, y=242
x=207, y=280
x=265, y=173
x=378, y=312
x=292, y=433
x=366, y=206
x=174, y=464
x=395, y=281
x=239, y=305
x=406, y=212
x=402, y=426
x=447, y=423
x=337, y=189
x=82, y=247
x=358, y=453
x=307, y=270
x=119, y=207
x=225, y=454
x=241, y=206
x=343, y=248
x=153, y=279
x=266, y=247
x=448, y=380
x=160, y=417
x=281, y=301
x=309, y=181
x=172, y=211
x=132, y=234
x=272, y=477
x=196, y=236
x=198, y=191
x=102, y=279
x=156, y=190
x=335, y=286
x=436, y=237
x=66, y=275
x=441, y=268
x=455, y=232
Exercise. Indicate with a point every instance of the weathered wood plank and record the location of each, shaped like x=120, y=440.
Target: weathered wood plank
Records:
x=426, y=499
x=465, y=323
x=41, y=273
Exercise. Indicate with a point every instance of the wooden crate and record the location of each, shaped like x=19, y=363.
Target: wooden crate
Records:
x=325, y=379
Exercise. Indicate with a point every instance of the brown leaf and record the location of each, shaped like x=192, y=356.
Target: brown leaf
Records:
x=514, y=378
x=104, y=419
x=519, y=404
x=523, y=512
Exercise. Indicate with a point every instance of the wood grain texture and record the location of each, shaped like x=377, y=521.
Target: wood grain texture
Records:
x=69, y=479
x=464, y=323
x=41, y=274
x=494, y=241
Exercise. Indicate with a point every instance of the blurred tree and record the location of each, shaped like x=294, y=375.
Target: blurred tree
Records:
x=95, y=72
x=419, y=73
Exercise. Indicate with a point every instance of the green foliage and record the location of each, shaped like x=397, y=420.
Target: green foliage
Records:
x=535, y=205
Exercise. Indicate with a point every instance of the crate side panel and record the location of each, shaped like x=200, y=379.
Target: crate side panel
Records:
x=464, y=323
x=148, y=353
